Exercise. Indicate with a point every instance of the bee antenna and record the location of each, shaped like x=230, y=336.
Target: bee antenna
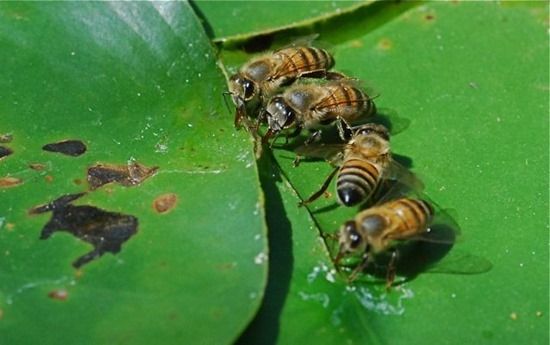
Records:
x=374, y=97
x=225, y=94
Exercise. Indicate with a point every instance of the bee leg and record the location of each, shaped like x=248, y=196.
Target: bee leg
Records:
x=297, y=161
x=390, y=274
x=315, y=136
x=294, y=134
x=344, y=129
x=320, y=192
x=360, y=268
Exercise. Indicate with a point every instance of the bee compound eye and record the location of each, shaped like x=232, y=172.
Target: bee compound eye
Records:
x=353, y=237
x=248, y=88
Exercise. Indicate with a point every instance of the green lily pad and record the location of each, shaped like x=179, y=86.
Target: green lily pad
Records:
x=230, y=20
x=138, y=85
x=472, y=78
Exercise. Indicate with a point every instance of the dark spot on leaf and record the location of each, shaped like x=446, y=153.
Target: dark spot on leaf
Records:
x=67, y=147
x=60, y=294
x=37, y=166
x=258, y=43
x=77, y=181
x=4, y=152
x=429, y=17
x=128, y=175
x=6, y=182
x=385, y=44
x=6, y=138
x=105, y=230
x=165, y=202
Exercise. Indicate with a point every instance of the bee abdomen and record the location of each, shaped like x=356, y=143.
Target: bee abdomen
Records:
x=356, y=181
x=420, y=212
x=364, y=103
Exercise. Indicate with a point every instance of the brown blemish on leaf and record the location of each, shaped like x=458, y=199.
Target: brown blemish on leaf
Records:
x=60, y=295
x=165, y=202
x=6, y=138
x=67, y=147
x=127, y=175
x=105, y=230
x=8, y=181
x=10, y=226
x=429, y=17
x=385, y=44
x=77, y=181
x=48, y=178
x=37, y=166
x=4, y=152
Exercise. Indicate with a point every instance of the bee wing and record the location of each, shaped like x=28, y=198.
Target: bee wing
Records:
x=397, y=182
x=301, y=41
x=329, y=152
x=460, y=262
x=330, y=101
x=443, y=229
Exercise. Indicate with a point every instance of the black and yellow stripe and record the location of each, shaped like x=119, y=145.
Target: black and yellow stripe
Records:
x=356, y=182
x=304, y=59
x=413, y=214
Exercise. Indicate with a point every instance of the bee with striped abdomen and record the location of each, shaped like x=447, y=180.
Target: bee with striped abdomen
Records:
x=381, y=228
x=313, y=105
x=361, y=165
x=261, y=77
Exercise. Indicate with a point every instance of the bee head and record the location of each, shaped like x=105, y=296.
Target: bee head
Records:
x=350, y=239
x=242, y=89
x=370, y=129
x=279, y=114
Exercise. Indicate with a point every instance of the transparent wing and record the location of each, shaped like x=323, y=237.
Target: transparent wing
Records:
x=329, y=152
x=302, y=41
x=460, y=262
x=397, y=182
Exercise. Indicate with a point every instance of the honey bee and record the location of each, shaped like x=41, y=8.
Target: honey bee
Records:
x=380, y=228
x=258, y=79
x=313, y=105
x=361, y=164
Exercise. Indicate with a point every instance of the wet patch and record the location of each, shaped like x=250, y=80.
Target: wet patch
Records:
x=105, y=230
x=67, y=147
x=165, y=202
x=127, y=175
x=60, y=295
x=37, y=166
x=6, y=138
x=4, y=152
x=7, y=182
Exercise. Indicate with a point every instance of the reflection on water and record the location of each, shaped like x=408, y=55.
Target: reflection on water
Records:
x=385, y=303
